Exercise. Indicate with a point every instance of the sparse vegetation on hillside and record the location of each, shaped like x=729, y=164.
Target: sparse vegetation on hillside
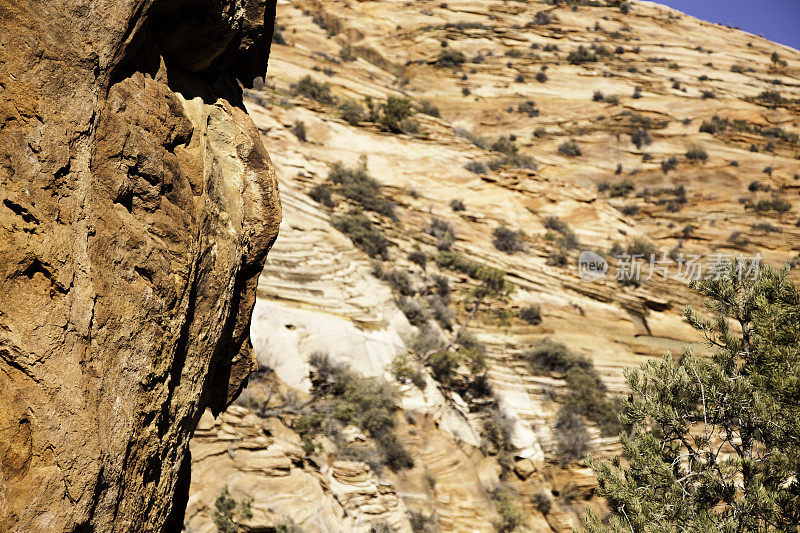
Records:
x=310, y=88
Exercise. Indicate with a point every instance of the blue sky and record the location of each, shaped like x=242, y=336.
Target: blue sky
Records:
x=777, y=20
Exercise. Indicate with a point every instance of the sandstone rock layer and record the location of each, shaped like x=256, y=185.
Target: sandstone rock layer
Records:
x=137, y=206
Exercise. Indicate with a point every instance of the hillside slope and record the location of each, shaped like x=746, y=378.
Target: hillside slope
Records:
x=623, y=130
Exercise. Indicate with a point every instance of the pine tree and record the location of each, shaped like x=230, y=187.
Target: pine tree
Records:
x=715, y=444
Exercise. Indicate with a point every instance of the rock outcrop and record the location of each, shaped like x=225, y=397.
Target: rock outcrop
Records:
x=137, y=206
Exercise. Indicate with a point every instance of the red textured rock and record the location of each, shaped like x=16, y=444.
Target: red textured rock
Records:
x=137, y=206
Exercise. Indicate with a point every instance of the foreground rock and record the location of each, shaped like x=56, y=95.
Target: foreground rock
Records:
x=137, y=207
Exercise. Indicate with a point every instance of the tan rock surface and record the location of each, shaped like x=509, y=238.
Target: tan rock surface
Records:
x=138, y=205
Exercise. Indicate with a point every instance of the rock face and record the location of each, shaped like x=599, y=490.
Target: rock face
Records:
x=137, y=206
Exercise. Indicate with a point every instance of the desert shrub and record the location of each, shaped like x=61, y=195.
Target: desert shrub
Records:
x=598, y=96
x=357, y=185
x=629, y=210
x=399, y=280
x=532, y=314
x=528, y=107
x=512, y=516
x=770, y=97
x=415, y=313
x=572, y=439
x=570, y=148
x=668, y=164
x=419, y=257
x=441, y=229
x=395, y=115
x=498, y=428
x=321, y=193
x=556, y=224
x=429, y=109
x=299, y=130
x=547, y=356
x=455, y=261
x=541, y=77
x=478, y=167
x=421, y=523
x=621, y=188
x=457, y=204
x=310, y=88
x=450, y=58
x=504, y=145
x=277, y=35
x=514, y=161
x=508, y=240
x=363, y=234
x=557, y=258
x=229, y=512
x=347, y=53
x=542, y=18
x=405, y=371
x=441, y=313
x=542, y=501
x=581, y=55
x=443, y=364
x=367, y=403
x=696, y=153
x=540, y=133
x=352, y=112
x=381, y=526
x=641, y=247
x=640, y=138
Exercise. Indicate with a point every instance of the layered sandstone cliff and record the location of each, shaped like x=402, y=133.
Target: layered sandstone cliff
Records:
x=137, y=206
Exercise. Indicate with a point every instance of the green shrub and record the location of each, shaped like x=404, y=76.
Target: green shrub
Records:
x=395, y=114
x=511, y=516
x=367, y=403
x=352, y=112
x=310, y=88
x=363, y=234
x=229, y=512
x=357, y=185
x=443, y=364
x=406, y=371
x=455, y=261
